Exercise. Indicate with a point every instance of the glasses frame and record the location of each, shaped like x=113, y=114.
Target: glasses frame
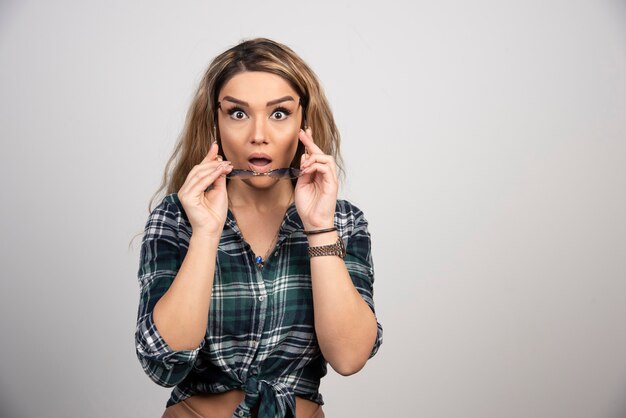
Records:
x=277, y=173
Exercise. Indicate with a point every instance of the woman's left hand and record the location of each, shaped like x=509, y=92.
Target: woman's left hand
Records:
x=317, y=186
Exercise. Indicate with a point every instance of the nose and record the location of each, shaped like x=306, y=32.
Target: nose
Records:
x=259, y=132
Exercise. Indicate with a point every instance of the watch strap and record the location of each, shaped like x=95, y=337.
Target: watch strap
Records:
x=337, y=249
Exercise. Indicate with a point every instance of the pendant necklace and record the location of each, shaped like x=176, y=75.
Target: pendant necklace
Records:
x=260, y=261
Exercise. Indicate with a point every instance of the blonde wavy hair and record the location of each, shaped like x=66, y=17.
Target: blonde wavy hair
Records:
x=200, y=130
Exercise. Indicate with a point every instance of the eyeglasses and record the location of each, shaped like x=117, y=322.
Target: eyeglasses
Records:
x=279, y=173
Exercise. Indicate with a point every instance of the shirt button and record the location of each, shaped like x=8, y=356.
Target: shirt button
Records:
x=261, y=298
x=276, y=254
x=241, y=413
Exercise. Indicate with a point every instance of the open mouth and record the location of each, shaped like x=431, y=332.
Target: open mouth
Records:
x=260, y=163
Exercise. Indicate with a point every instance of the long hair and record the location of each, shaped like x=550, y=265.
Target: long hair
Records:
x=200, y=130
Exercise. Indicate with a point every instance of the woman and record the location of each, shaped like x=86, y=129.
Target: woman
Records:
x=253, y=274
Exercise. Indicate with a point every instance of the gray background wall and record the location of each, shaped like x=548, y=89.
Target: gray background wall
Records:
x=485, y=141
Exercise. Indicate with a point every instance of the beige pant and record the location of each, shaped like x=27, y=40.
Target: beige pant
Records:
x=184, y=410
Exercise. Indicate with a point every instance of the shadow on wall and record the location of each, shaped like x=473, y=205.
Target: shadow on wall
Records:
x=7, y=409
x=620, y=410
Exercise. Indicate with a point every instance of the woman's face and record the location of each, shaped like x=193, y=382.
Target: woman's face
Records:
x=259, y=117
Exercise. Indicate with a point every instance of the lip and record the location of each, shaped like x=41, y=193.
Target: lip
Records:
x=259, y=168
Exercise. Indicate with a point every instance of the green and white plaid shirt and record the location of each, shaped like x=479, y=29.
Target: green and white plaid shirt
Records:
x=260, y=334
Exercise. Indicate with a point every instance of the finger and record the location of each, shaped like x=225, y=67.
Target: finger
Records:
x=220, y=182
x=320, y=158
x=212, y=180
x=207, y=168
x=209, y=164
x=307, y=140
x=322, y=169
x=200, y=170
x=212, y=154
x=200, y=180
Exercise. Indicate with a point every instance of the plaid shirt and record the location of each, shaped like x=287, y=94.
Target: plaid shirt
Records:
x=260, y=334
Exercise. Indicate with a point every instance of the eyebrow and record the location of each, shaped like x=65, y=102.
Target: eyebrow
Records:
x=270, y=103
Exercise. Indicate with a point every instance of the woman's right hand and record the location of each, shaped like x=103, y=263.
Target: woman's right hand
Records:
x=206, y=210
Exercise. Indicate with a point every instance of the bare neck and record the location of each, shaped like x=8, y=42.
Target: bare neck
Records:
x=265, y=200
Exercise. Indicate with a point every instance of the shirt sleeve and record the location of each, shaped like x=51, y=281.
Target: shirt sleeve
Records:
x=360, y=265
x=159, y=263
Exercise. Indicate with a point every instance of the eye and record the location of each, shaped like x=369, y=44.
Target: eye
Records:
x=280, y=113
x=237, y=113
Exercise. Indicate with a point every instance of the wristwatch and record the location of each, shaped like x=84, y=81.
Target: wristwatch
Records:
x=337, y=249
